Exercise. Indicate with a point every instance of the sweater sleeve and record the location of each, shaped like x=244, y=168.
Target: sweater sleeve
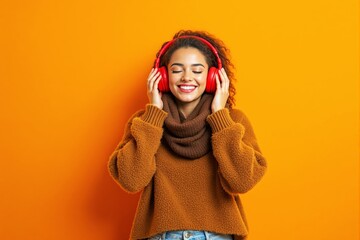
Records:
x=132, y=164
x=235, y=147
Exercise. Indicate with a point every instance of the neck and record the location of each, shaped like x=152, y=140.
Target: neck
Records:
x=186, y=108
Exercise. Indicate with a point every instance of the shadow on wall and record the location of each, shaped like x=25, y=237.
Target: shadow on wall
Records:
x=111, y=205
x=108, y=203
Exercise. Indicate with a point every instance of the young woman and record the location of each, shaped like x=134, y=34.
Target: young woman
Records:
x=189, y=151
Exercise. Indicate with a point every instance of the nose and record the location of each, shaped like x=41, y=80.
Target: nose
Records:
x=186, y=76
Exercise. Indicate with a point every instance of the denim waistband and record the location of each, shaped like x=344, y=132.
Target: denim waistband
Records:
x=191, y=235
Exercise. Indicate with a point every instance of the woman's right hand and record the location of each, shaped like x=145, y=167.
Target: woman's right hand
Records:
x=153, y=92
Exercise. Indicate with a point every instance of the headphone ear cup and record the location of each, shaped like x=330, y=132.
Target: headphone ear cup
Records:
x=164, y=82
x=211, y=80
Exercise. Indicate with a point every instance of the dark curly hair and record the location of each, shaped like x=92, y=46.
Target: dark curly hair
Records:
x=224, y=54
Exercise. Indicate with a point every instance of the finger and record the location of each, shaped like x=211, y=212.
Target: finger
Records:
x=149, y=77
x=156, y=82
x=223, y=80
x=218, y=85
x=153, y=70
x=152, y=80
x=152, y=73
x=226, y=81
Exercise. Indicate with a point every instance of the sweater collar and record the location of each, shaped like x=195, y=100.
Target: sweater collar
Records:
x=188, y=137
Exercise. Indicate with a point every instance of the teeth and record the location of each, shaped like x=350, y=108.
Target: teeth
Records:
x=187, y=87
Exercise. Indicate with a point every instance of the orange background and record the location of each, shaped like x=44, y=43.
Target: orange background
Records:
x=72, y=72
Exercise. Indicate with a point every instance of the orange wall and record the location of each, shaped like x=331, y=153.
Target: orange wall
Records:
x=72, y=72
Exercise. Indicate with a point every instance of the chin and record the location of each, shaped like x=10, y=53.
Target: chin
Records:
x=187, y=97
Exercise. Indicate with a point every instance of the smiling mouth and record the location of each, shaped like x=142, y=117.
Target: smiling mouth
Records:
x=187, y=88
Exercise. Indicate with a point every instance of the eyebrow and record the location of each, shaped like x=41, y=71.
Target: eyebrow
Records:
x=193, y=65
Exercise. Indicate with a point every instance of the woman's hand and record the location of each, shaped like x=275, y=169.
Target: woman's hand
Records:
x=153, y=92
x=222, y=91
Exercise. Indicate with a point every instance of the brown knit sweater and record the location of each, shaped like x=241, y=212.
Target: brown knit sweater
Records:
x=179, y=194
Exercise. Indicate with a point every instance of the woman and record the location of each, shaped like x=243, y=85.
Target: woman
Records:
x=189, y=152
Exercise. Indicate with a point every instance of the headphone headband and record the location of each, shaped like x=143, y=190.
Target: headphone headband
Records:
x=168, y=44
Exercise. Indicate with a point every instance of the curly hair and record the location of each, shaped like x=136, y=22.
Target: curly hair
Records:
x=224, y=54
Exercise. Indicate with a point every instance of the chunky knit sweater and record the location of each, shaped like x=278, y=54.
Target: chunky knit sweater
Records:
x=183, y=194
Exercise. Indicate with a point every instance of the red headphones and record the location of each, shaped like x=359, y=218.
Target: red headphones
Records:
x=213, y=71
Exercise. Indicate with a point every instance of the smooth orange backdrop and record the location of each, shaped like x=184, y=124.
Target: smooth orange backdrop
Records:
x=72, y=73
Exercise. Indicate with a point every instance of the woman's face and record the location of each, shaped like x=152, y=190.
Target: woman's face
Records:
x=187, y=72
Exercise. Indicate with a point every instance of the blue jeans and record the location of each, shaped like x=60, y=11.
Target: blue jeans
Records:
x=191, y=235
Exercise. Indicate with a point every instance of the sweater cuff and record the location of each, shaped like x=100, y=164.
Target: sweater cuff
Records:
x=154, y=115
x=220, y=119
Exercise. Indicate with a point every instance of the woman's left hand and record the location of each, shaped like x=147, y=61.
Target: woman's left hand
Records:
x=222, y=91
